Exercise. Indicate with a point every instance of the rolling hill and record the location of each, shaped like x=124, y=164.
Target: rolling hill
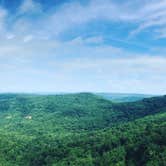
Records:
x=81, y=129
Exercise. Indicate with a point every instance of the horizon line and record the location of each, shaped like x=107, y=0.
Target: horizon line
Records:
x=76, y=92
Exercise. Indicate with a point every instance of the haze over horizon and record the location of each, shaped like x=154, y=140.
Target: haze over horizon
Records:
x=83, y=45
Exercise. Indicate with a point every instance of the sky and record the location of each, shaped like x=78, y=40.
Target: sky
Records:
x=83, y=45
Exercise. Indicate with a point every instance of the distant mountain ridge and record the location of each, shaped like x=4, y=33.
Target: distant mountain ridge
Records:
x=124, y=97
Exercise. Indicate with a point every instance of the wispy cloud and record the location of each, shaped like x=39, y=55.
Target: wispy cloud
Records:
x=142, y=15
x=152, y=14
x=142, y=73
x=28, y=6
x=32, y=49
x=3, y=16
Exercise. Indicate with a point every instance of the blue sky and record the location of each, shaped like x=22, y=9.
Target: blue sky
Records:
x=83, y=45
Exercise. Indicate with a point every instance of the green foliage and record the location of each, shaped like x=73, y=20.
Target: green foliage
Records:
x=81, y=130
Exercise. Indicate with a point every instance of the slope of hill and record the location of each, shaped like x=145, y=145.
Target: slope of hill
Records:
x=141, y=142
x=71, y=112
x=81, y=129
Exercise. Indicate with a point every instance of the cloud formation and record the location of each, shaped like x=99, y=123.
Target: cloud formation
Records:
x=93, y=46
x=31, y=17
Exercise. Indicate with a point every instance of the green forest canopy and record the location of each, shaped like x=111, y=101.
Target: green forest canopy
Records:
x=81, y=129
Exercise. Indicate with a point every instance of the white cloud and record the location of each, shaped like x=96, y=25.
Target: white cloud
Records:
x=94, y=40
x=30, y=51
x=152, y=14
x=3, y=16
x=72, y=14
x=29, y=6
x=141, y=74
x=99, y=68
x=10, y=36
x=28, y=38
x=145, y=14
x=87, y=40
x=142, y=14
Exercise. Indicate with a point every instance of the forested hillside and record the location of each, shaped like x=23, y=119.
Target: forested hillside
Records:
x=81, y=129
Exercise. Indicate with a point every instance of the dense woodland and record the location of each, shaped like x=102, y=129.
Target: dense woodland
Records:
x=81, y=130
